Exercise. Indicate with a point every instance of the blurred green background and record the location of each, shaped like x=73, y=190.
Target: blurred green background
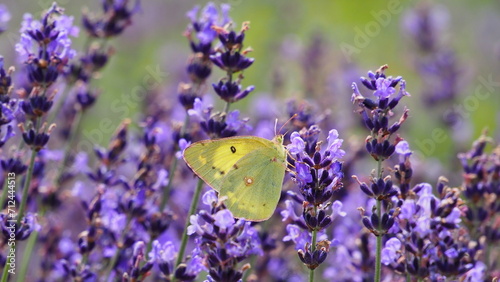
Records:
x=280, y=31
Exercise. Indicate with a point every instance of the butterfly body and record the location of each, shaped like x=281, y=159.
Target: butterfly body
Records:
x=248, y=170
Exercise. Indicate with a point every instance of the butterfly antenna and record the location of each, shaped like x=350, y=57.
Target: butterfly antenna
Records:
x=290, y=119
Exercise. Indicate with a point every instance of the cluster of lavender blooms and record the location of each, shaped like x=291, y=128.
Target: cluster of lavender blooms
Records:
x=436, y=62
x=422, y=227
x=318, y=174
x=132, y=211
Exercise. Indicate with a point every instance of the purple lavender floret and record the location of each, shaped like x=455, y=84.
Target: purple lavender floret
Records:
x=317, y=172
x=5, y=17
x=203, y=25
x=222, y=240
x=231, y=62
x=231, y=92
x=218, y=125
x=45, y=45
x=117, y=16
x=376, y=113
x=126, y=203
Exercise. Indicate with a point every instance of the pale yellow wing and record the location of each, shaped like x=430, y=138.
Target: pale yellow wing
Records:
x=253, y=190
x=211, y=160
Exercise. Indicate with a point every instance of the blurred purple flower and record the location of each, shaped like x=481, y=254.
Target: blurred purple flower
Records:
x=209, y=17
x=408, y=209
x=209, y=198
x=297, y=145
x=451, y=253
x=162, y=253
x=334, y=144
x=390, y=253
x=426, y=24
x=4, y=17
x=303, y=175
x=289, y=212
x=337, y=209
x=196, y=227
x=298, y=236
x=195, y=265
x=234, y=122
x=117, y=15
x=224, y=219
x=403, y=148
x=246, y=244
x=198, y=112
x=114, y=221
x=183, y=144
x=477, y=273
x=384, y=88
x=221, y=242
x=49, y=36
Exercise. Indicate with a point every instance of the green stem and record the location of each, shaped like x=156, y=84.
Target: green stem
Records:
x=5, y=273
x=4, y=191
x=26, y=187
x=313, y=248
x=57, y=109
x=487, y=257
x=171, y=172
x=378, y=254
x=118, y=248
x=28, y=251
x=379, y=168
x=85, y=258
x=192, y=209
x=24, y=198
x=75, y=128
x=408, y=275
x=166, y=190
x=226, y=108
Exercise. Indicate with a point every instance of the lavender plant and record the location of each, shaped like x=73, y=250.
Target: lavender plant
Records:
x=130, y=210
x=318, y=174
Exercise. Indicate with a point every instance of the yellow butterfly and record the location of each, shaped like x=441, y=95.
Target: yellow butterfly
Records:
x=248, y=170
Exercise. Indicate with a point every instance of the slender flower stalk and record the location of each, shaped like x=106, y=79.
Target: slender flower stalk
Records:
x=132, y=211
x=376, y=114
x=192, y=210
x=201, y=36
x=223, y=124
x=173, y=168
x=317, y=173
x=29, y=249
x=26, y=187
x=74, y=129
x=313, y=249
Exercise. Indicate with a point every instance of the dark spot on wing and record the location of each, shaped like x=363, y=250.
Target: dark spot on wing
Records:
x=236, y=166
x=222, y=172
x=213, y=167
x=233, y=149
x=263, y=205
x=248, y=180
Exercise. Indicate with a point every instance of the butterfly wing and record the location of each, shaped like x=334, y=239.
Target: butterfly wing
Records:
x=253, y=185
x=212, y=160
